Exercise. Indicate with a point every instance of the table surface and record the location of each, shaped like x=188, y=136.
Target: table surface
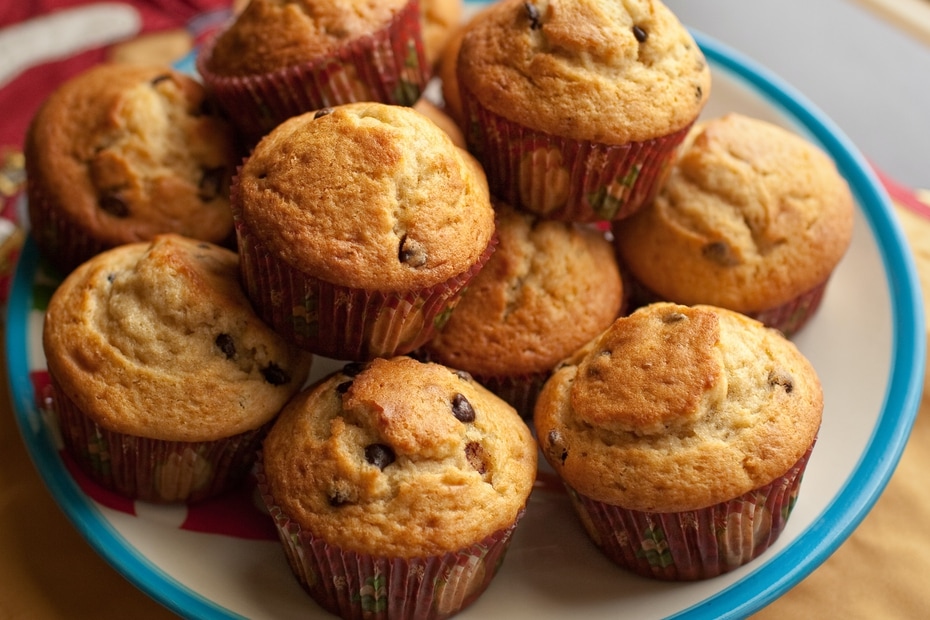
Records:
x=867, y=66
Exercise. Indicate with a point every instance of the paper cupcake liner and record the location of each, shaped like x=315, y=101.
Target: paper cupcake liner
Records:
x=61, y=239
x=388, y=66
x=564, y=179
x=694, y=544
x=341, y=322
x=788, y=317
x=366, y=587
x=153, y=470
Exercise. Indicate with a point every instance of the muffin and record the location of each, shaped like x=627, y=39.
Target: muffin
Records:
x=440, y=19
x=280, y=59
x=576, y=107
x=682, y=434
x=165, y=381
x=548, y=289
x=753, y=218
x=395, y=487
x=121, y=153
x=358, y=227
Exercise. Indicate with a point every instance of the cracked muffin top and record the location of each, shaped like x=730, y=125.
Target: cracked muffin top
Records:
x=128, y=152
x=158, y=340
x=677, y=408
x=366, y=195
x=608, y=71
x=752, y=216
x=400, y=458
x=547, y=290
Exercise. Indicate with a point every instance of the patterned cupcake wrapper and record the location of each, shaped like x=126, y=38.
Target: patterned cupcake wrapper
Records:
x=564, y=179
x=361, y=586
x=60, y=238
x=793, y=315
x=154, y=470
x=788, y=317
x=341, y=322
x=694, y=544
x=387, y=66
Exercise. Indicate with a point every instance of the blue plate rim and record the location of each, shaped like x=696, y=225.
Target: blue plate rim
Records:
x=752, y=592
x=906, y=374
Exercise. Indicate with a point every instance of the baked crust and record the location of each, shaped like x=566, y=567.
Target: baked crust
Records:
x=678, y=408
x=442, y=481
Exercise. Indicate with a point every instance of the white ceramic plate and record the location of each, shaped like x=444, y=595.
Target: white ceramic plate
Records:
x=867, y=343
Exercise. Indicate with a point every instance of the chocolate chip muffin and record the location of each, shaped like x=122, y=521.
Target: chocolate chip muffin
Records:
x=682, y=434
x=280, y=59
x=359, y=226
x=121, y=153
x=576, y=107
x=549, y=288
x=165, y=380
x=405, y=473
x=753, y=218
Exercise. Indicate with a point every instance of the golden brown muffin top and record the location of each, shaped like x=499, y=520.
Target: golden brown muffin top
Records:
x=272, y=34
x=367, y=195
x=678, y=408
x=400, y=458
x=158, y=340
x=602, y=70
x=751, y=216
x=549, y=288
x=131, y=151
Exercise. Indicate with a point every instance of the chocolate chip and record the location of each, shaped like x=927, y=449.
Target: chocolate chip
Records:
x=462, y=409
x=352, y=369
x=411, y=252
x=556, y=446
x=700, y=92
x=275, y=375
x=673, y=317
x=211, y=182
x=379, y=455
x=782, y=378
x=463, y=375
x=322, y=112
x=640, y=34
x=474, y=453
x=343, y=387
x=533, y=13
x=226, y=345
x=111, y=277
x=719, y=252
x=160, y=78
x=114, y=205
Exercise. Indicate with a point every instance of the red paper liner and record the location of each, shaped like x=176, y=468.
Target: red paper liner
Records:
x=366, y=587
x=789, y=318
x=388, y=66
x=154, y=470
x=341, y=322
x=60, y=238
x=564, y=179
x=694, y=544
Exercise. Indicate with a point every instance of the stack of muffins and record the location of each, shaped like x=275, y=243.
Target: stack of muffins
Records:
x=578, y=267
